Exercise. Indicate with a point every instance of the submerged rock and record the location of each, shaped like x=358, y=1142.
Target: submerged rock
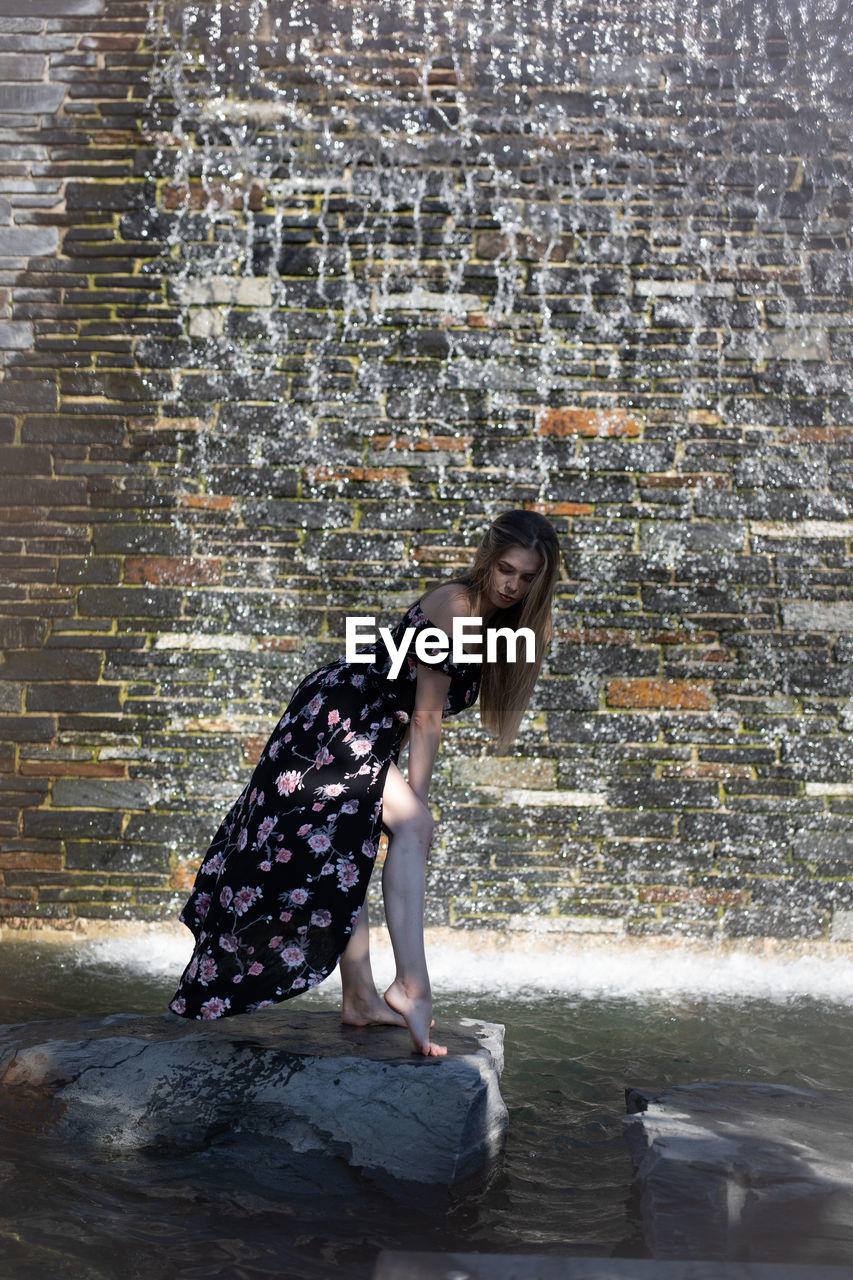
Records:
x=293, y=1088
x=744, y=1172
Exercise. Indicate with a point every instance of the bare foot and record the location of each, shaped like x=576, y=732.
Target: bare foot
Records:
x=417, y=1010
x=366, y=1011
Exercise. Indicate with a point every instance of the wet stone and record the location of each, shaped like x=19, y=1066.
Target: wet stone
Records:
x=743, y=1172
x=294, y=1090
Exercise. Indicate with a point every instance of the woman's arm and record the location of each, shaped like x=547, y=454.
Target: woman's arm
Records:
x=443, y=605
x=425, y=728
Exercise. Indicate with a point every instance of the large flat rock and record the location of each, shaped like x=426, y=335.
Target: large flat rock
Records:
x=297, y=1084
x=744, y=1172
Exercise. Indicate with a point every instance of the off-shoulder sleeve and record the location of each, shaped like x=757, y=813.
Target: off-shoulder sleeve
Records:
x=421, y=622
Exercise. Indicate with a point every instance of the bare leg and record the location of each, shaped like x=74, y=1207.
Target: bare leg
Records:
x=362, y=1003
x=403, y=878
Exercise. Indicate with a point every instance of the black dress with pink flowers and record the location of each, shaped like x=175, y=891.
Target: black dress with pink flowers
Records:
x=281, y=886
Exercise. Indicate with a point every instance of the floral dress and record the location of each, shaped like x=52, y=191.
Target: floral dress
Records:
x=282, y=885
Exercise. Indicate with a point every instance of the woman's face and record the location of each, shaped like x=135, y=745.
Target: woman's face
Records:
x=511, y=576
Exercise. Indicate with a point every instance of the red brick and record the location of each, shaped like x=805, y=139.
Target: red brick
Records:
x=697, y=896
x=587, y=422
x=528, y=248
x=197, y=195
x=443, y=555
x=707, y=769
x=206, y=501
x=447, y=444
x=172, y=570
x=561, y=508
x=184, y=874
x=683, y=637
x=599, y=635
x=819, y=435
x=28, y=893
x=708, y=480
x=646, y=691
x=115, y=44
x=252, y=747
x=705, y=417
x=74, y=769
x=31, y=861
x=280, y=644
x=373, y=475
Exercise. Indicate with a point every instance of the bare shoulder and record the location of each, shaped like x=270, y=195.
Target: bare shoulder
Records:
x=444, y=603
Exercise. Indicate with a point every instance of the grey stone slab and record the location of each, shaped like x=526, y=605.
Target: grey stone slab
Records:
x=31, y=99
x=21, y=66
x=107, y=793
x=744, y=1171
x=50, y=8
x=15, y=335
x=291, y=1083
x=394, y=1265
x=812, y=615
x=27, y=242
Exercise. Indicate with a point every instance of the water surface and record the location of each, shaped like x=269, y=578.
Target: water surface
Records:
x=578, y=1031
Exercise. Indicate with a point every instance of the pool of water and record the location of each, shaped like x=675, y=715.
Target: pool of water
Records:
x=579, y=1029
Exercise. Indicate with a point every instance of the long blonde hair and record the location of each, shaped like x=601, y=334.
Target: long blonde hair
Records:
x=506, y=688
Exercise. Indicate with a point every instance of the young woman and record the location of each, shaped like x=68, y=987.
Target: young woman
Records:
x=280, y=897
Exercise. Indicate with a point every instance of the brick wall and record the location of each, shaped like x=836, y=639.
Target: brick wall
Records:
x=289, y=313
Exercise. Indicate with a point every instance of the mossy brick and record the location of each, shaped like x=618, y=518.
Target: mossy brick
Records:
x=746, y=835
x=51, y=664
x=129, y=537
x=121, y=388
x=129, y=602
x=810, y=845
x=112, y=855
x=668, y=537
x=31, y=910
x=11, y=694
x=109, y=196
x=16, y=490
x=822, y=760
x=168, y=829
x=321, y=514
x=27, y=728
x=93, y=570
x=19, y=395
x=62, y=824
x=83, y=893
x=647, y=793
x=590, y=662
x=772, y=922
x=107, y=793
x=73, y=696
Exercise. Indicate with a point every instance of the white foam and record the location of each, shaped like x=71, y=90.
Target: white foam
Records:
x=523, y=968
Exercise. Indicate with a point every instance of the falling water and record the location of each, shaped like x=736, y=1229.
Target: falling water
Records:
x=422, y=174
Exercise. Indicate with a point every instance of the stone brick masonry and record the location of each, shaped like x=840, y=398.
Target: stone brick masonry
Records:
x=289, y=311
